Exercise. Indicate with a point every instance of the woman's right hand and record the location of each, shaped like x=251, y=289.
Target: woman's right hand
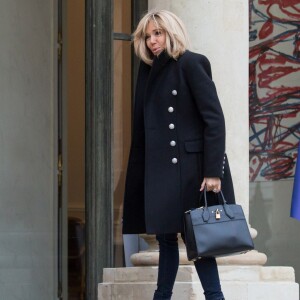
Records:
x=212, y=184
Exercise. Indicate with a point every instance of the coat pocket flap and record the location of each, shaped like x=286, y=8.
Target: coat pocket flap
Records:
x=194, y=146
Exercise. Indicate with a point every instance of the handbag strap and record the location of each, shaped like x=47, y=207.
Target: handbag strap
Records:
x=226, y=207
x=205, y=197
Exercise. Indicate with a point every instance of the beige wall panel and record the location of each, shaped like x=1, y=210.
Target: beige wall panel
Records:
x=27, y=144
x=219, y=30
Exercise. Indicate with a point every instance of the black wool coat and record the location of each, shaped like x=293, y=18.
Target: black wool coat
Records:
x=178, y=139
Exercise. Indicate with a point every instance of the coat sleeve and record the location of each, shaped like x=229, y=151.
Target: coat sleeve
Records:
x=199, y=78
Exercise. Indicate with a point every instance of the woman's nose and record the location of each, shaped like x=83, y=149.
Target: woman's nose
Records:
x=152, y=39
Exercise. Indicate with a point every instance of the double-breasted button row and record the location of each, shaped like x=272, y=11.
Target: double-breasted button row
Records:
x=174, y=160
x=172, y=126
x=223, y=164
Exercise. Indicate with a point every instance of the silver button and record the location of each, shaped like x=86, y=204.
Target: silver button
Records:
x=174, y=160
x=173, y=143
x=174, y=92
x=171, y=126
x=170, y=109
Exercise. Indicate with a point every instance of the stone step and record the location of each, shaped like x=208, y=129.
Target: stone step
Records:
x=238, y=283
x=189, y=274
x=233, y=290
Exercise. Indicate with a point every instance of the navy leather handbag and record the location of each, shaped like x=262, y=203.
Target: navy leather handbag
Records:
x=219, y=230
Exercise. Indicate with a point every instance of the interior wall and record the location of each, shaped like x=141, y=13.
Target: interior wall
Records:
x=122, y=118
x=278, y=234
x=28, y=161
x=75, y=81
x=274, y=110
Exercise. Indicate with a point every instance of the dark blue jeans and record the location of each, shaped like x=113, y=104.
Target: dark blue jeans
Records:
x=168, y=266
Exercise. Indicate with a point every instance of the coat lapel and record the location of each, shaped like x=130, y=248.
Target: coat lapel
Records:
x=159, y=63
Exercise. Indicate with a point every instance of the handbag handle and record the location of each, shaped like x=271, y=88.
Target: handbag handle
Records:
x=226, y=207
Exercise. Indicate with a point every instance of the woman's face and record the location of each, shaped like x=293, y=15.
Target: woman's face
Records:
x=155, y=38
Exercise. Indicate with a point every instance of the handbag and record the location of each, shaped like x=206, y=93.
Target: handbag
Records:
x=217, y=230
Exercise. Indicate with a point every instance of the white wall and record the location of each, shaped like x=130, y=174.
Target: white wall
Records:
x=219, y=29
x=27, y=144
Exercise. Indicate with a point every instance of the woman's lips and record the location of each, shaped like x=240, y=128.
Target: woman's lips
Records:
x=155, y=50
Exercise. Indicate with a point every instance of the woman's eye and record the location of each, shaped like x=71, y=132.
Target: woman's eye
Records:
x=157, y=32
x=147, y=37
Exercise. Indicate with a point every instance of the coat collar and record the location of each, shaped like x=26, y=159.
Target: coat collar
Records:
x=158, y=64
x=160, y=60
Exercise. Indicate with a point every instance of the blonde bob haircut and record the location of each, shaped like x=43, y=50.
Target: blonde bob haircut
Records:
x=177, y=40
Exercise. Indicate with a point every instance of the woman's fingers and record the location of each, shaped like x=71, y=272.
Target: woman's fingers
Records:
x=212, y=184
x=202, y=185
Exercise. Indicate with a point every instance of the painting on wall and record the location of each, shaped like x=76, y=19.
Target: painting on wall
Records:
x=274, y=88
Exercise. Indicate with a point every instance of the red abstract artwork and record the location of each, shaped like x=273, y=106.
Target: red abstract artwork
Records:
x=274, y=88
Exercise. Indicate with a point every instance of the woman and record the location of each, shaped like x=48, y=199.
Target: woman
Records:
x=178, y=145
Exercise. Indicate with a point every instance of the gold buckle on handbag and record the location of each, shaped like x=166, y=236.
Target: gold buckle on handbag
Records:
x=218, y=214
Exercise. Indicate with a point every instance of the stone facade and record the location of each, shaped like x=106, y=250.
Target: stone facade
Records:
x=238, y=282
x=219, y=30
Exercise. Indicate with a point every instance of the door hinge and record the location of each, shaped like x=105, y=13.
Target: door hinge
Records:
x=59, y=46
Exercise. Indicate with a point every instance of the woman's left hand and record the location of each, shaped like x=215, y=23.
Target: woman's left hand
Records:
x=212, y=184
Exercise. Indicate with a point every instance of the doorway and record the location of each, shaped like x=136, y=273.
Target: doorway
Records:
x=97, y=87
x=71, y=149
x=75, y=146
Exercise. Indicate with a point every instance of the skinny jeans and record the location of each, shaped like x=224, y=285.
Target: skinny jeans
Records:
x=168, y=266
